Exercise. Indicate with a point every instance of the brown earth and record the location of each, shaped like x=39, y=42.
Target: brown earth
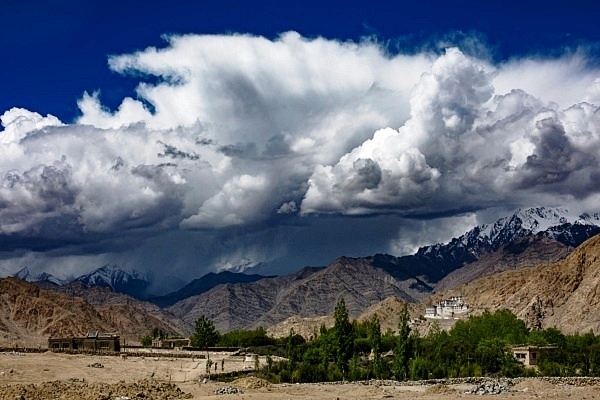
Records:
x=68, y=377
x=29, y=314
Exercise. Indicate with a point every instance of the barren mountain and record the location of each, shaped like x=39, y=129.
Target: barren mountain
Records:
x=124, y=310
x=29, y=314
x=388, y=312
x=565, y=294
x=524, y=252
x=311, y=292
x=204, y=284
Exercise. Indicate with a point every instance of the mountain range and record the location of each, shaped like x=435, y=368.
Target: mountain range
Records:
x=434, y=262
x=515, y=244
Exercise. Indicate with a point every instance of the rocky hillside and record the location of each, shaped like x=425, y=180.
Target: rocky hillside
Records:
x=524, y=252
x=204, y=284
x=124, y=310
x=310, y=292
x=29, y=314
x=307, y=327
x=565, y=294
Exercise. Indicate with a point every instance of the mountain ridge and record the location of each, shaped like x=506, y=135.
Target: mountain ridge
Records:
x=204, y=284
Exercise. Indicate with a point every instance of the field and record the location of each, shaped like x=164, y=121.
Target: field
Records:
x=34, y=376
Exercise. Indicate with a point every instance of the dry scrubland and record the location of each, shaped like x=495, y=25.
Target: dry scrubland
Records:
x=60, y=376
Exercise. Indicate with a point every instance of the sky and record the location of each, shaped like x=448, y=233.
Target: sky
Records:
x=189, y=136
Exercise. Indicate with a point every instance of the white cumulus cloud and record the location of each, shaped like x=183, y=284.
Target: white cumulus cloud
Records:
x=232, y=134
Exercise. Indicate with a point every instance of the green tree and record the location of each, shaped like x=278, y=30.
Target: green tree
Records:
x=375, y=342
x=205, y=335
x=147, y=341
x=403, y=350
x=344, y=337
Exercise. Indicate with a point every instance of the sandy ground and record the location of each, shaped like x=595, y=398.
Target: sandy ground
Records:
x=187, y=374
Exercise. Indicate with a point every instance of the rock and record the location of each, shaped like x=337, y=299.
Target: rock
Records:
x=489, y=387
x=228, y=390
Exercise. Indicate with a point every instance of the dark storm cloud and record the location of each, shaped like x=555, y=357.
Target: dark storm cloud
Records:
x=554, y=157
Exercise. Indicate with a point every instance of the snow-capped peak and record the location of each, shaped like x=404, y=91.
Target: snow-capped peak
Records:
x=589, y=219
x=111, y=273
x=131, y=281
x=26, y=275
x=523, y=222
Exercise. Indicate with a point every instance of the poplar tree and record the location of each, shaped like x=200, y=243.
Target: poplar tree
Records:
x=344, y=337
x=403, y=350
x=375, y=343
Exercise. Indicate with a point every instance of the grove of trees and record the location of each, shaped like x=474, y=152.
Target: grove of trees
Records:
x=477, y=346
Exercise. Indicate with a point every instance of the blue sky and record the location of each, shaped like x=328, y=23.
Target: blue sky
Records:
x=205, y=136
x=53, y=51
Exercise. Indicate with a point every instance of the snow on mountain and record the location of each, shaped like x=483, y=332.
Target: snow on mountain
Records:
x=556, y=223
x=130, y=282
x=524, y=222
x=26, y=275
x=589, y=219
x=241, y=267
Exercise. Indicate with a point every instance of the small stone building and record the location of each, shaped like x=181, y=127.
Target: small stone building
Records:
x=93, y=341
x=529, y=355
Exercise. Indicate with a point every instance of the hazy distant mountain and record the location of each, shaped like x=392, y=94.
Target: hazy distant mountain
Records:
x=203, y=284
x=132, y=282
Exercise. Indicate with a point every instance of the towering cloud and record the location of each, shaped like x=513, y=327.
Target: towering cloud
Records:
x=232, y=140
x=467, y=148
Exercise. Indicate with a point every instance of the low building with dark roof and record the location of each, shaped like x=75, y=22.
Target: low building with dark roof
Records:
x=92, y=342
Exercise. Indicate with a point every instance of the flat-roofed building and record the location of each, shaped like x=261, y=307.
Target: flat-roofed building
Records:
x=530, y=355
x=93, y=341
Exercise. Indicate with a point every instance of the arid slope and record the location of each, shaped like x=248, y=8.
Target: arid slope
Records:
x=29, y=314
x=565, y=294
